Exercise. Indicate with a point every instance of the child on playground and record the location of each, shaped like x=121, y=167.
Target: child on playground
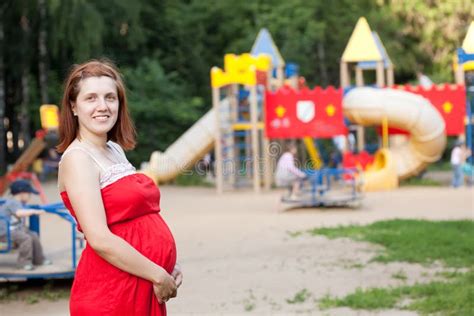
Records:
x=459, y=155
x=287, y=174
x=28, y=242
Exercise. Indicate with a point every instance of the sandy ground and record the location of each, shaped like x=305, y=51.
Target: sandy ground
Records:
x=239, y=258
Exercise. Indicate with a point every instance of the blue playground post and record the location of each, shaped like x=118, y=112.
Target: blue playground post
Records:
x=469, y=102
x=464, y=57
x=35, y=224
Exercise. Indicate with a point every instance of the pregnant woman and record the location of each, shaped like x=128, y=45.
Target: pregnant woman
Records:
x=129, y=264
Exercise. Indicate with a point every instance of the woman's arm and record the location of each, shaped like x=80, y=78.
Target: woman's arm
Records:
x=80, y=177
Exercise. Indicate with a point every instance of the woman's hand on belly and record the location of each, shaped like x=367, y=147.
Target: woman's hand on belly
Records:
x=177, y=274
x=164, y=287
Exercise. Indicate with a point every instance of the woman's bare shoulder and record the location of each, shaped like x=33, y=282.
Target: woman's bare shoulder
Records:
x=73, y=155
x=76, y=161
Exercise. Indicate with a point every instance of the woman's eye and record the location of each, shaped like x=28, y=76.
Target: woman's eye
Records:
x=90, y=98
x=111, y=98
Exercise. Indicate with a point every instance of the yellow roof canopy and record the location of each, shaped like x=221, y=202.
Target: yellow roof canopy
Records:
x=468, y=43
x=236, y=63
x=361, y=45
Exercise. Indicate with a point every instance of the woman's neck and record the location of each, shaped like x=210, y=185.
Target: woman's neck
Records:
x=93, y=140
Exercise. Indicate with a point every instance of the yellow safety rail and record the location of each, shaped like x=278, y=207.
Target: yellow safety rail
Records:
x=385, y=132
x=246, y=126
x=313, y=152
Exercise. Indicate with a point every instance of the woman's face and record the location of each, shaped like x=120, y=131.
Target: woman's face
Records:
x=96, y=105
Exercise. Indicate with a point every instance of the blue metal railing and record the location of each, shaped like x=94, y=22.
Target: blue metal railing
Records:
x=6, y=220
x=54, y=208
x=321, y=181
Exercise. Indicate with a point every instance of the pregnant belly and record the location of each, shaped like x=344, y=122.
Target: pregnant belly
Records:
x=150, y=235
x=103, y=287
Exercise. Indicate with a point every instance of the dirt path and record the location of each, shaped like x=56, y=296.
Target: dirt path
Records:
x=238, y=257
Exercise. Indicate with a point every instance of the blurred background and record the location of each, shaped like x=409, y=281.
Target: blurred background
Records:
x=165, y=50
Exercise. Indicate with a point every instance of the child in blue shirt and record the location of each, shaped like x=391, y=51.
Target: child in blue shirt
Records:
x=27, y=241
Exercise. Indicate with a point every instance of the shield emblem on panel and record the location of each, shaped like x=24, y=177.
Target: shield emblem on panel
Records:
x=305, y=111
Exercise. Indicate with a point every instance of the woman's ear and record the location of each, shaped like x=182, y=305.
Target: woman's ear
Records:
x=73, y=108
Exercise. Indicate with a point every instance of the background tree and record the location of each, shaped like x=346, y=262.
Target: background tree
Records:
x=167, y=47
x=3, y=12
x=43, y=52
x=433, y=28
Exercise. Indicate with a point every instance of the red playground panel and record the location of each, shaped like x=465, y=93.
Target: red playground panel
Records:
x=392, y=131
x=296, y=114
x=262, y=77
x=359, y=161
x=449, y=100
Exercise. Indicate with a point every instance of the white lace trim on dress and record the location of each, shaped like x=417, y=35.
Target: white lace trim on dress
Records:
x=115, y=173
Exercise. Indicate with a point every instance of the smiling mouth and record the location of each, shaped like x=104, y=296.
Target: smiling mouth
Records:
x=101, y=117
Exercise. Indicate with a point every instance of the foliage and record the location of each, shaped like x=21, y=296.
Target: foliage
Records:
x=159, y=106
x=183, y=39
x=437, y=26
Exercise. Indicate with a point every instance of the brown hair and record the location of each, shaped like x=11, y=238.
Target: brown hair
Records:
x=123, y=131
x=290, y=145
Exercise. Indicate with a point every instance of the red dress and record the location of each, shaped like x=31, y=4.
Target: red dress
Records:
x=132, y=206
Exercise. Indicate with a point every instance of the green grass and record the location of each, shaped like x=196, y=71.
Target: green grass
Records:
x=34, y=291
x=249, y=306
x=400, y=275
x=250, y=302
x=300, y=297
x=444, y=298
x=440, y=166
x=370, y=299
x=416, y=241
x=426, y=182
x=191, y=179
x=449, y=242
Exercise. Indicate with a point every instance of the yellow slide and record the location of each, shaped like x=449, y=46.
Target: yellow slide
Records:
x=404, y=110
x=185, y=151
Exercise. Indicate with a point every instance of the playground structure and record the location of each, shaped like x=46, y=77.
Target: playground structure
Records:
x=422, y=119
x=463, y=60
x=465, y=65
x=238, y=94
x=328, y=187
x=234, y=127
x=252, y=106
x=64, y=260
x=368, y=106
x=368, y=52
x=64, y=265
x=239, y=121
x=264, y=45
x=49, y=115
x=230, y=123
x=185, y=151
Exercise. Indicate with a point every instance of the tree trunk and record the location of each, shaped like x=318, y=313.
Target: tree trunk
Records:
x=322, y=64
x=42, y=64
x=3, y=162
x=24, y=117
